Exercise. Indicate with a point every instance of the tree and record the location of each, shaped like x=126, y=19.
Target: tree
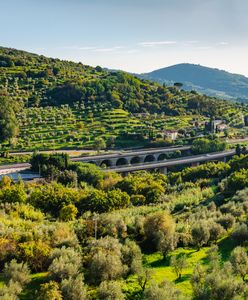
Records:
x=99, y=144
x=50, y=291
x=178, y=85
x=89, y=173
x=143, y=277
x=239, y=261
x=162, y=291
x=68, y=212
x=36, y=254
x=238, y=150
x=215, y=231
x=10, y=291
x=218, y=282
x=110, y=290
x=8, y=121
x=52, y=197
x=240, y=234
x=105, y=266
x=66, y=262
x=200, y=234
x=131, y=256
x=74, y=288
x=68, y=177
x=17, y=272
x=104, y=260
x=160, y=231
x=13, y=193
x=178, y=262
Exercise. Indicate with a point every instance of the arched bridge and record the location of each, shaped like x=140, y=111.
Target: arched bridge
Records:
x=163, y=166
x=133, y=157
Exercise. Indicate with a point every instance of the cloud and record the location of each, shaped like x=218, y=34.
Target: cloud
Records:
x=223, y=44
x=158, y=43
x=84, y=48
x=111, y=49
x=204, y=47
x=132, y=51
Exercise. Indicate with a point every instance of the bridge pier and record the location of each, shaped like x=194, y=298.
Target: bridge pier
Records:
x=163, y=170
x=195, y=164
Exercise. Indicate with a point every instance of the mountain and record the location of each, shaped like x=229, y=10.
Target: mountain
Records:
x=209, y=81
x=35, y=80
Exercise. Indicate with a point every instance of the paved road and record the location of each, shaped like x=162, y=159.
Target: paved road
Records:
x=7, y=169
x=173, y=162
x=132, y=153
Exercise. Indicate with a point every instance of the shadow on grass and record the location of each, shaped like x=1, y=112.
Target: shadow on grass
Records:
x=225, y=248
x=31, y=288
x=183, y=278
x=160, y=263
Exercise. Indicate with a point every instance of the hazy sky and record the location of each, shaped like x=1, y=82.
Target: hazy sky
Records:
x=133, y=35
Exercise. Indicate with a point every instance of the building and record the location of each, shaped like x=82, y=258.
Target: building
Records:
x=212, y=125
x=221, y=127
x=171, y=134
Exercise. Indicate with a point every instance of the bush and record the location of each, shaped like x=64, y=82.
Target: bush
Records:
x=10, y=291
x=17, y=272
x=50, y=291
x=162, y=291
x=68, y=213
x=110, y=290
x=240, y=234
x=200, y=234
x=104, y=262
x=74, y=288
x=66, y=262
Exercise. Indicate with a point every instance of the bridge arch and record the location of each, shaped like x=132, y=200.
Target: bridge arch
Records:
x=106, y=162
x=162, y=156
x=136, y=160
x=121, y=161
x=149, y=158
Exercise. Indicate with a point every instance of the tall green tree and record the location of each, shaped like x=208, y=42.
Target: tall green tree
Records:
x=8, y=121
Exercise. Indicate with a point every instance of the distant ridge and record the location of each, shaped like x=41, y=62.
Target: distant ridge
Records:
x=209, y=81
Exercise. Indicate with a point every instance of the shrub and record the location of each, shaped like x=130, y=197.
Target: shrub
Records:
x=68, y=213
x=200, y=234
x=66, y=262
x=162, y=291
x=74, y=288
x=50, y=291
x=17, y=272
x=110, y=290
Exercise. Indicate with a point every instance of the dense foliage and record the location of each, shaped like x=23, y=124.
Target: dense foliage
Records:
x=65, y=104
x=94, y=237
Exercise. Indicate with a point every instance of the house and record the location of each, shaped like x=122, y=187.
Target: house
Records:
x=171, y=134
x=221, y=127
x=212, y=125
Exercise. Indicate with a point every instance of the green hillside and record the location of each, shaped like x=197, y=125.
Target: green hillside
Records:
x=62, y=104
x=212, y=82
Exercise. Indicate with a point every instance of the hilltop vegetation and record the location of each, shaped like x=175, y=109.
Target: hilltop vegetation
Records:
x=81, y=233
x=61, y=104
x=205, y=80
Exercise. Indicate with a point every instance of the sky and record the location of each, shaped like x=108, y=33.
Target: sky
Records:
x=132, y=35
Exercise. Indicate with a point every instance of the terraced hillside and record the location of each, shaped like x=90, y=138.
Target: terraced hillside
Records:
x=62, y=104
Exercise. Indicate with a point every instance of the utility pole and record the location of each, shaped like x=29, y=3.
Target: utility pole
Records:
x=95, y=222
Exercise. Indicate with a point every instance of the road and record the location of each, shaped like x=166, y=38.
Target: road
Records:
x=173, y=162
x=132, y=153
x=7, y=169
